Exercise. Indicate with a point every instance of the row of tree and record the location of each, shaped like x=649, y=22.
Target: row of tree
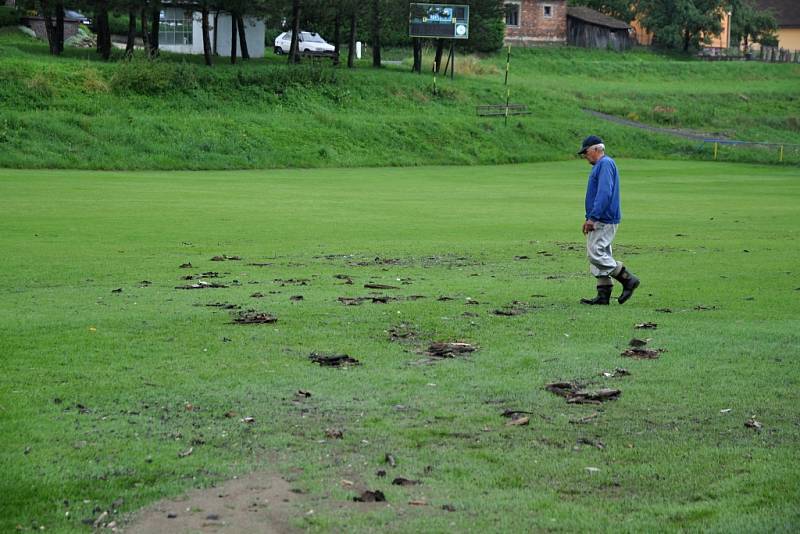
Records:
x=383, y=22
x=683, y=24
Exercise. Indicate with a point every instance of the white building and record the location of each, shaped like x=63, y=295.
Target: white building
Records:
x=181, y=31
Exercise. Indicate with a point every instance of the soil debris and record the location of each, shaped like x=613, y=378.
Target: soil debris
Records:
x=145, y=283
x=389, y=459
x=202, y=285
x=260, y=264
x=334, y=433
x=302, y=394
x=296, y=298
x=333, y=360
x=382, y=299
x=645, y=326
x=118, y=290
x=257, y=295
x=225, y=257
x=519, y=421
x=401, y=332
x=400, y=481
x=380, y=286
x=592, y=443
x=187, y=452
x=616, y=373
x=371, y=496
x=664, y=310
x=514, y=413
x=351, y=301
x=416, y=297
x=510, y=310
x=576, y=395
x=444, y=298
x=641, y=353
x=254, y=317
x=223, y=305
x=449, y=349
x=292, y=281
x=636, y=342
x=185, y=266
x=346, y=279
x=752, y=423
x=702, y=307
x=521, y=257
x=584, y=420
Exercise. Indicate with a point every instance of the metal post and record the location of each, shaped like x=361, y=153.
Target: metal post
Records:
x=716, y=148
x=508, y=91
x=781, y=158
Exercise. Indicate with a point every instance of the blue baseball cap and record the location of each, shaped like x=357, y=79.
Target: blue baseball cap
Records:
x=589, y=142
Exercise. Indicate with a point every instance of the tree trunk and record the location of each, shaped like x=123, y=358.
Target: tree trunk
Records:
x=216, y=31
x=234, y=25
x=337, y=36
x=294, y=53
x=376, y=34
x=145, y=35
x=417, y=67
x=351, y=52
x=155, y=15
x=103, y=30
x=59, y=33
x=437, y=60
x=242, y=36
x=686, y=40
x=48, y=26
x=206, y=36
x=131, y=42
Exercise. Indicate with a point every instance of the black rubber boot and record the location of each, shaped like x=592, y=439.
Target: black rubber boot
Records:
x=603, y=296
x=629, y=284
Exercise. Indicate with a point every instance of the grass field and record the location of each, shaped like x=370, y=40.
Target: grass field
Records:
x=109, y=372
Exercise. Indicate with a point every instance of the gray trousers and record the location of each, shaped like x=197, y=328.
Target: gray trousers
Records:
x=598, y=250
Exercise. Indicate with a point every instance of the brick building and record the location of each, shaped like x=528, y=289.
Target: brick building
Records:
x=536, y=22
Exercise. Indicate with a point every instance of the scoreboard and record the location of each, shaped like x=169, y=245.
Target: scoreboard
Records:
x=441, y=21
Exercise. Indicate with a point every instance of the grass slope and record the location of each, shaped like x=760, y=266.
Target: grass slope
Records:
x=77, y=112
x=714, y=243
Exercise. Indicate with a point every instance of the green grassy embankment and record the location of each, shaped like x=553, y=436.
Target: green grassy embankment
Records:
x=77, y=112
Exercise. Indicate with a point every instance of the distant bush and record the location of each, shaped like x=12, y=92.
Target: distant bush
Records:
x=8, y=16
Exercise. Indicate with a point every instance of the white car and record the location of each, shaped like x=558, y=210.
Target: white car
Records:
x=308, y=43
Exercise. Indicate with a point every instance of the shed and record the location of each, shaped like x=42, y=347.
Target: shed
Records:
x=591, y=29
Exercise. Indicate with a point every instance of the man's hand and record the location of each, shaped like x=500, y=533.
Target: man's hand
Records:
x=588, y=226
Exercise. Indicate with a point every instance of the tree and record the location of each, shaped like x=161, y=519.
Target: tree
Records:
x=294, y=55
x=54, y=29
x=376, y=33
x=681, y=24
x=750, y=24
x=621, y=9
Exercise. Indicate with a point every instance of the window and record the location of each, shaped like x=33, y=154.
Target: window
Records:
x=548, y=12
x=175, y=27
x=512, y=14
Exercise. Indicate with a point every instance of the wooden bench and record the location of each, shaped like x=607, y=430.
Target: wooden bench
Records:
x=499, y=110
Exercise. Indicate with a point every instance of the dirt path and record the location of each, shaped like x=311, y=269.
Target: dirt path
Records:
x=678, y=132
x=258, y=502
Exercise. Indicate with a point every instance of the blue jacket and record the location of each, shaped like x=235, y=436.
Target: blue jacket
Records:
x=602, y=193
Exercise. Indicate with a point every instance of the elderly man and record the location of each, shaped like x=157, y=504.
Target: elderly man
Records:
x=603, y=215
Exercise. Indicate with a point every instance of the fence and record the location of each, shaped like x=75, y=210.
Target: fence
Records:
x=771, y=54
x=784, y=152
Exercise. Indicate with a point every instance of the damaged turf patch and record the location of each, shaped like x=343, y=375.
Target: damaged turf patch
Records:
x=333, y=360
x=254, y=317
x=449, y=349
x=575, y=394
